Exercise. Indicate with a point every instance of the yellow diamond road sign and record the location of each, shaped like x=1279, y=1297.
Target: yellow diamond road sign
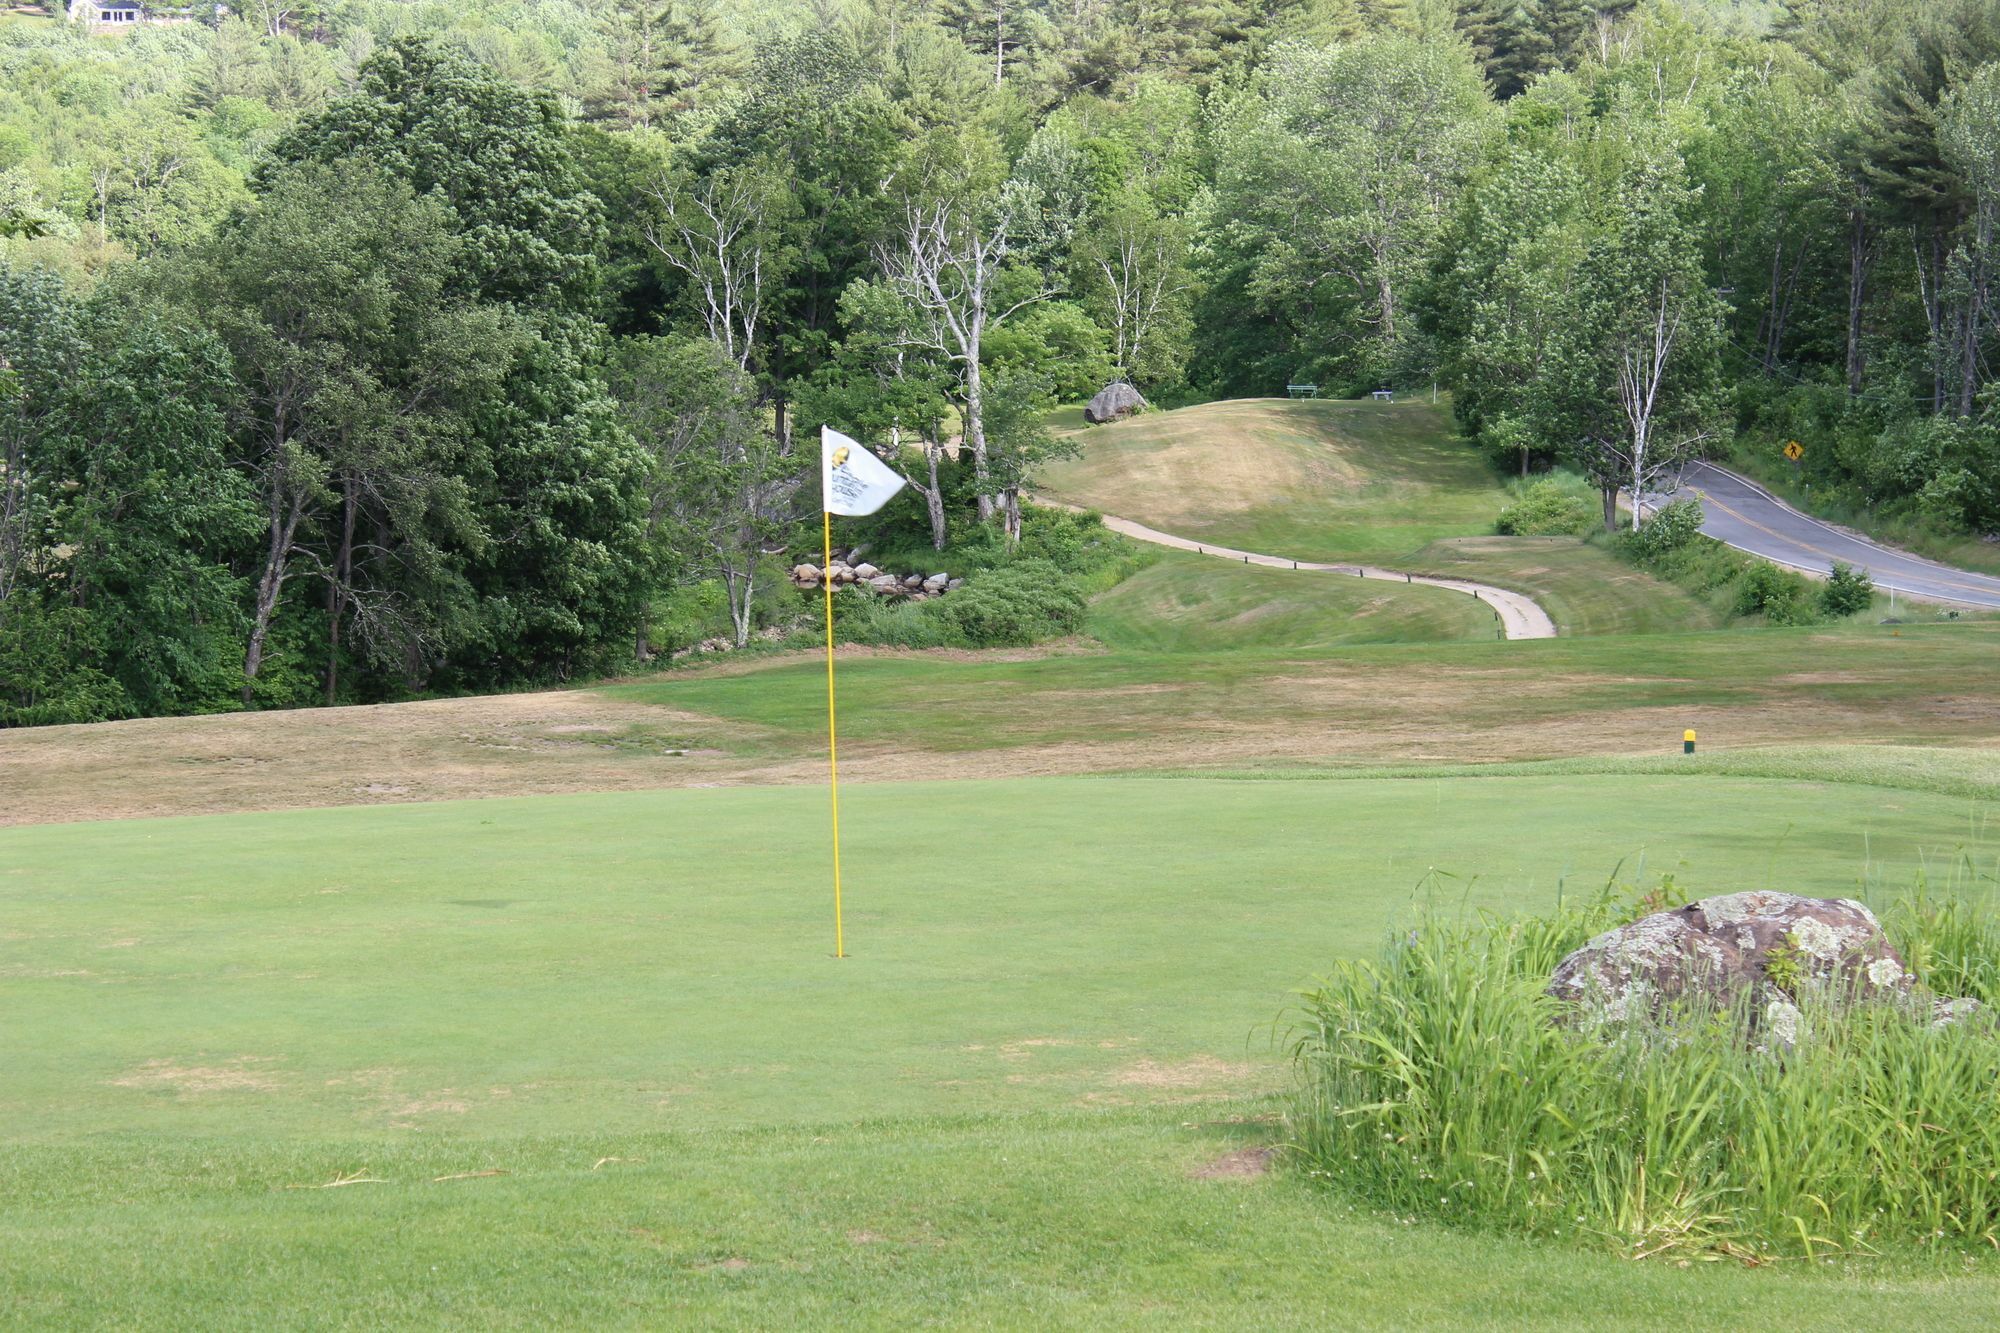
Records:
x=1795, y=451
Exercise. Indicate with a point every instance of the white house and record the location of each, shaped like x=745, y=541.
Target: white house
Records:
x=99, y=15
x=113, y=15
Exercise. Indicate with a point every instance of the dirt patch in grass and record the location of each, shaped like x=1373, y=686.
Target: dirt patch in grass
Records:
x=1243, y=1164
x=322, y=757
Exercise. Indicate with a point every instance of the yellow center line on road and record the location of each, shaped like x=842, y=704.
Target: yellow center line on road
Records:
x=1741, y=517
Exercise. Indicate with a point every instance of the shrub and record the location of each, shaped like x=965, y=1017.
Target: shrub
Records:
x=1848, y=591
x=862, y=617
x=1080, y=545
x=1671, y=528
x=1545, y=509
x=1438, y=1080
x=1778, y=594
x=1014, y=605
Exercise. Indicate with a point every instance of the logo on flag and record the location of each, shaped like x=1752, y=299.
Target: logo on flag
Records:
x=852, y=480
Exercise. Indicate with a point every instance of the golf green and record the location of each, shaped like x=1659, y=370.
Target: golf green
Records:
x=661, y=960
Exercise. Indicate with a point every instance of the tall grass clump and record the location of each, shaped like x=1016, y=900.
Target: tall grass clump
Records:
x=1440, y=1080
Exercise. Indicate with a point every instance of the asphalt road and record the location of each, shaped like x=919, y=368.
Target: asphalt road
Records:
x=1743, y=514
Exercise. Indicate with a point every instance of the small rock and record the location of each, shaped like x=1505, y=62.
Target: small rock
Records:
x=954, y=585
x=936, y=582
x=866, y=572
x=805, y=573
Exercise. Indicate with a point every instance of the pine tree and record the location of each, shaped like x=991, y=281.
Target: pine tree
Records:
x=664, y=60
x=1513, y=39
x=698, y=60
x=992, y=29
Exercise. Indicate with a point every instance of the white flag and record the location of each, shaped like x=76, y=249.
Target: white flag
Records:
x=852, y=480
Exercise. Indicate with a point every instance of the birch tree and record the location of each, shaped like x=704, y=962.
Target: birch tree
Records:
x=1635, y=386
x=1140, y=260
x=949, y=260
x=722, y=232
x=1969, y=142
x=1344, y=163
x=888, y=392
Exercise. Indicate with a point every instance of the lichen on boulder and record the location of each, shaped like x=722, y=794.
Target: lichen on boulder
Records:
x=1712, y=954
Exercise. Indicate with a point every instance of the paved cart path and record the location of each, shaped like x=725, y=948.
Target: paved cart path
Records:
x=1521, y=616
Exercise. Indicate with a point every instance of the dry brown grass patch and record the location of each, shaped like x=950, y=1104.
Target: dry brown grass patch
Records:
x=1198, y=1072
x=243, y=1074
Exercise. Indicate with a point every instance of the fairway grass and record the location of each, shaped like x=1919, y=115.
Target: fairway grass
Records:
x=634, y=961
x=1071, y=708
x=1191, y=603
x=1061, y=1005
x=1389, y=484
x=1584, y=587
x=1557, y=698
x=1061, y=1220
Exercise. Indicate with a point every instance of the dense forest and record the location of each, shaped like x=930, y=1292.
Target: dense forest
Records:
x=355, y=350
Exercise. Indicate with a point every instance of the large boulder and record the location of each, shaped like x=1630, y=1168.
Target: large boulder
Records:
x=1114, y=401
x=1771, y=946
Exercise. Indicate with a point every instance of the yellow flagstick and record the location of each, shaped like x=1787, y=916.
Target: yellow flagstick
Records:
x=857, y=483
x=832, y=729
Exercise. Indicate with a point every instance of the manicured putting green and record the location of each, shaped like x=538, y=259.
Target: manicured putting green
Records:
x=659, y=960
x=586, y=1061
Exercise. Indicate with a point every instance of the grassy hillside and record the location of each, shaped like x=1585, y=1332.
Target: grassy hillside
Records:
x=1388, y=484
x=1584, y=588
x=1020, y=1095
x=1188, y=603
x=1310, y=480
